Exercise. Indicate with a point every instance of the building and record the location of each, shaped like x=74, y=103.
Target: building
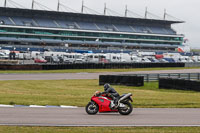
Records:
x=85, y=31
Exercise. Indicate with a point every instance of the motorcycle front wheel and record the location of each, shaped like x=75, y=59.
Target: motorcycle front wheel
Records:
x=92, y=108
x=127, y=109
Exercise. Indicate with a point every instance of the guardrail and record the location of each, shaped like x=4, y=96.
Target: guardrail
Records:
x=155, y=77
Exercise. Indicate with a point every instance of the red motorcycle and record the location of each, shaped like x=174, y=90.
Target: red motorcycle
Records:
x=104, y=103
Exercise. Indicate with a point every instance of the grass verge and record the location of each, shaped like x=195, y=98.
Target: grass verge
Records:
x=21, y=129
x=94, y=70
x=78, y=93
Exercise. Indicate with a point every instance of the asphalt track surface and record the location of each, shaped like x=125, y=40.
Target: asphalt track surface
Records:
x=78, y=117
x=28, y=116
x=60, y=76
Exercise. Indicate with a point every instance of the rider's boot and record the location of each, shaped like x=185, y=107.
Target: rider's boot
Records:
x=114, y=101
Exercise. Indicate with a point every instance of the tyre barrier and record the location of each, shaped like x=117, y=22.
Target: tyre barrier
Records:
x=179, y=84
x=20, y=67
x=109, y=65
x=86, y=66
x=127, y=80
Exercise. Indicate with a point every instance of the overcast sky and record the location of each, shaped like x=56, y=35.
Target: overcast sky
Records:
x=186, y=10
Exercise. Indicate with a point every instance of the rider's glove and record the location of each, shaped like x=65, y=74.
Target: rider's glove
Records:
x=98, y=94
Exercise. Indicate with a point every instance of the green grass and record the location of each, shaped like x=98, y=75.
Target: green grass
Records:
x=94, y=70
x=20, y=129
x=78, y=93
x=195, y=50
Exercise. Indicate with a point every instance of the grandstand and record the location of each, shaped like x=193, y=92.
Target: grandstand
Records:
x=26, y=27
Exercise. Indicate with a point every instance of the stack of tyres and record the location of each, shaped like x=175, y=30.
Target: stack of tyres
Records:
x=109, y=65
x=180, y=84
x=103, y=79
x=128, y=80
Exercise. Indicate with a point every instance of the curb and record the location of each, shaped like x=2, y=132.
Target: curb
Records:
x=36, y=106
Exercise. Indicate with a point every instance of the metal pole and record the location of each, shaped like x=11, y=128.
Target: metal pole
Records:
x=104, y=8
x=5, y=3
x=23, y=58
x=58, y=7
x=158, y=76
x=33, y=4
x=189, y=76
x=147, y=77
x=164, y=14
x=126, y=10
x=146, y=13
x=82, y=7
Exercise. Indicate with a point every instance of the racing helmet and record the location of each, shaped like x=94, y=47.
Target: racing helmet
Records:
x=106, y=86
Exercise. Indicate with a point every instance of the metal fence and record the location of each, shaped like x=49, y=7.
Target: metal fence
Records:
x=192, y=64
x=155, y=77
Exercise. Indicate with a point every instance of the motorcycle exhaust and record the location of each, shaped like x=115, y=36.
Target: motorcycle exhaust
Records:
x=124, y=97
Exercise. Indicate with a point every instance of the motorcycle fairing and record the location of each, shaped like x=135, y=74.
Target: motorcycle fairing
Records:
x=103, y=103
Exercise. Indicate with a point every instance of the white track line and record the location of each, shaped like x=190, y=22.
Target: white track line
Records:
x=63, y=125
x=2, y=105
x=37, y=106
x=72, y=107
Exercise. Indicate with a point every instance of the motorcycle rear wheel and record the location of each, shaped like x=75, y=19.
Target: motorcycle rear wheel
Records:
x=92, y=108
x=127, y=110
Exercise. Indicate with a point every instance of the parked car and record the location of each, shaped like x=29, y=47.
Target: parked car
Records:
x=61, y=60
x=73, y=58
x=52, y=59
x=55, y=59
x=145, y=60
x=3, y=56
x=170, y=60
x=153, y=60
x=163, y=61
x=40, y=60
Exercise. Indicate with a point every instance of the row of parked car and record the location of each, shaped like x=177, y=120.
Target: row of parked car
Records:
x=58, y=57
x=62, y=57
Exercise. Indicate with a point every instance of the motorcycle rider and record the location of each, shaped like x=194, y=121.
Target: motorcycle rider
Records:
x=111, y=92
